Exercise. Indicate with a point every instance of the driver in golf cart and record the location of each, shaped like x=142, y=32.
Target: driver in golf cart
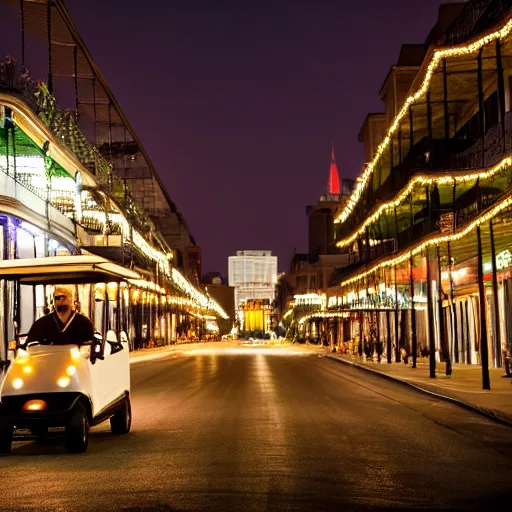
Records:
x=65, y=325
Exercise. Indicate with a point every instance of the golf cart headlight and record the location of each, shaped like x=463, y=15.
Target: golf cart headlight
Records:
x=63, y=382
x=17, y=383
x=85, y=351
x=71, y=370
x=82, y=351
x=21, y=356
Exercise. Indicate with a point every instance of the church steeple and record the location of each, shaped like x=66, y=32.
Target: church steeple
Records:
x=334, y=178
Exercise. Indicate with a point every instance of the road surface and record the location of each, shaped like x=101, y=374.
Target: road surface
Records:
x=269, y=429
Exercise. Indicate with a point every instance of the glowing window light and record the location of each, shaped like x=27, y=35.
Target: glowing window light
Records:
x=58, y=183
x=437, y=58
x=333, y=301
x=458, y=274
x=30, y=228
x=25, y=240
x=309, y=299
x=24, y=164
x=53, y=244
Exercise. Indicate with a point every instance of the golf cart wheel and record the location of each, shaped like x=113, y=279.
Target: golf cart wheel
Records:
x=6, y=431
x=77, y=430
x=121, y=422
x=508, y=369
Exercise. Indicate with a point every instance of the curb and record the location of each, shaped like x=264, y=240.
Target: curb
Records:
x=482, y=411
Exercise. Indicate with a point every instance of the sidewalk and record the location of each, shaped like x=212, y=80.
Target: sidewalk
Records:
x=464, y=387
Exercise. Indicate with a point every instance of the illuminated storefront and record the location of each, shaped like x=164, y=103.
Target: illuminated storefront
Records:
x=257, y=315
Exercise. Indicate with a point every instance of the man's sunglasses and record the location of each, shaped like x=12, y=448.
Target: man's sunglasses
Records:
x=59, y=297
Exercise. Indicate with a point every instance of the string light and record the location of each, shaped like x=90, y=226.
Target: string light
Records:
x=310, y=299
x=436, y=59
x=205, y=301
x=35, y=167
x=505, y=203
x=305, y=318
x=424, y=179
x=138, y=240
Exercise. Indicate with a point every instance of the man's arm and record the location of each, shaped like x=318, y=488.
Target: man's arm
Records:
x=35, y=332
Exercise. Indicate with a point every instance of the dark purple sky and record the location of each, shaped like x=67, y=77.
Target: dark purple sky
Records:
x=237, y=101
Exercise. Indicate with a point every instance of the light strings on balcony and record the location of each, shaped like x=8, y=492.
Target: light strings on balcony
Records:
x=423, y=180
x=420, y=93
x=434, y=241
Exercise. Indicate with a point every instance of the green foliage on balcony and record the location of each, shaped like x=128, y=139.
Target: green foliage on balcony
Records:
x=14, y=141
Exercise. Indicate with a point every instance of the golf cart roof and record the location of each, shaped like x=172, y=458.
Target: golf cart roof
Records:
x=65, y=270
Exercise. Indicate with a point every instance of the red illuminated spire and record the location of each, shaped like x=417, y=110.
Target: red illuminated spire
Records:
x=334, y=179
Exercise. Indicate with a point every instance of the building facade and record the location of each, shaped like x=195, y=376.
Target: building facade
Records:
x=44, y=39
x=310, y=275
x=428, y=223
x=253, y=275
x=224, y=295
x=62, y=196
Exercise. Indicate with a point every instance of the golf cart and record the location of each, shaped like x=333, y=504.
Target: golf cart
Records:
x=48, y=385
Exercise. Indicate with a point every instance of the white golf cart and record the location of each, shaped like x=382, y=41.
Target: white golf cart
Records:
x=47, y=385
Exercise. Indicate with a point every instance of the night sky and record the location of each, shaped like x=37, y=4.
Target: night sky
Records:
x=237, y=101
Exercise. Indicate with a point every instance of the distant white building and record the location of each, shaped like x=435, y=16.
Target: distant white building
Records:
x=253, y=274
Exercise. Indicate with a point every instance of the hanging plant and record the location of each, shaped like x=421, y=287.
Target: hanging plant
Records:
x=49, y=165
x=46, y=103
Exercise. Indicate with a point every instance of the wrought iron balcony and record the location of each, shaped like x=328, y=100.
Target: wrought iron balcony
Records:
x=16, y=80
x=476, y=17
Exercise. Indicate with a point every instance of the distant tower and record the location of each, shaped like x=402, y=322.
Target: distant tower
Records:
x=320, y=215
x=334, y=178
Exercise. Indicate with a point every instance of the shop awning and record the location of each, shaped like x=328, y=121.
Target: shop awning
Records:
x=65, y=270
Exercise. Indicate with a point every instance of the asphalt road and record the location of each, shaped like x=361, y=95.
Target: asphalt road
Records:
x=256, y=429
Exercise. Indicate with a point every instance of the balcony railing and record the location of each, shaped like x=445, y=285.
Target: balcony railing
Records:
x=438, y=156
x=464, y=214
x=37, y=201
x=16, y=80
x=476, y=17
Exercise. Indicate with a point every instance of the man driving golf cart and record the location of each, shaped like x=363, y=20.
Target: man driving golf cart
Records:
x=65, y=325
x=64, y=375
